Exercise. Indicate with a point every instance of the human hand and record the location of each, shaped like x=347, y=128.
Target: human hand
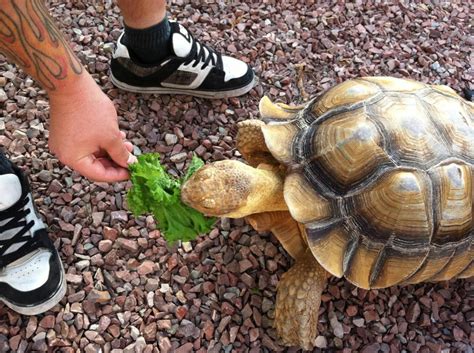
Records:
x=84, y=132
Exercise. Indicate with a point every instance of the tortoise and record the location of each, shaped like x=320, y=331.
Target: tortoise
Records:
x=372, y=181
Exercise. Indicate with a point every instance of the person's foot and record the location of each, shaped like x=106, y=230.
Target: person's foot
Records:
x=194, y=69
x=469, y=94
x=32, y=278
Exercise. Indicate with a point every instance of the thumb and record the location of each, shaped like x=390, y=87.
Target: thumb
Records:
x=100, y=169
x=118, y=152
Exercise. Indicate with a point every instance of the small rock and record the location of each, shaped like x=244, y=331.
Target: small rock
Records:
x=150, y=332
x=146, y=268
x=371, y=348
x=45, y=175
x=351, y=310
x=152, y=284
x=254, y=334
x=164, y=324
x=336, y=325
x=185, y=348
x=3, y=96
x=413, y=312
x=67, y=227
x=105, y=245
x=114, y=330
x=31, y=327
x=321, y=342
x=97, y=218
x=245, y=265
x=128, y=244
x=187, y=247
x=150, y=299
x=359, y=322
x=98, y=296
x=74, y=279
x=76, y=308
x=171, y=139
x=82, y=265
x=104, y=323
x=134, y=332
x=118, y=216
x=76, y=297
x=55, y=186
x=208, y=330
x=93, y=348
x=179, y=157
x=14, y=342
x=110, y=233
x=140, y=344
x=181, y=312
x=165, y=287
x=208, y=287
x=164, y=345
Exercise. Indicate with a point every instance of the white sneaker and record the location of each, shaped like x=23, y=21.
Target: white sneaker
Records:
x=193, y=69
x=32, y=278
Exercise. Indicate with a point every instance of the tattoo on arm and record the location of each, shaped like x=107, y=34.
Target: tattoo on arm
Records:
x=30, y=38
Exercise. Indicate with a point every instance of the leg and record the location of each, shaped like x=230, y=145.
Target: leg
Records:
x=142, y=14
x=285, y=229
x=298, y=300
x=251, y=143
x=147, y=29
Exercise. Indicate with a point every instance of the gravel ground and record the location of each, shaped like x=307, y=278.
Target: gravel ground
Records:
x=126, y=289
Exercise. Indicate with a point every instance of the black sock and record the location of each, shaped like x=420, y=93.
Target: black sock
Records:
x=5, y=165
x=150, y=45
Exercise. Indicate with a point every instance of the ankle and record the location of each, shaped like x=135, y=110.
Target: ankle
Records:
x=149, y=45
x=142, y=14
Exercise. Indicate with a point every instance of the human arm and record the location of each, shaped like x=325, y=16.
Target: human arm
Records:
x=84, y=132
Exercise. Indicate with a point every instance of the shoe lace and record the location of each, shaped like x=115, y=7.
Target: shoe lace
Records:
x=204, y=54
x=16, y=219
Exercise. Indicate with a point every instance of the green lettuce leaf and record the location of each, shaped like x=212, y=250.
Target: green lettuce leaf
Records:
x=156, y=192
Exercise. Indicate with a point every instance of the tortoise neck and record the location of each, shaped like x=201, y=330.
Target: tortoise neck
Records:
x=265, y=193
x=269, y=195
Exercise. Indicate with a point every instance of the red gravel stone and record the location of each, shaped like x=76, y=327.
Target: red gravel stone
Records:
x=181, y=312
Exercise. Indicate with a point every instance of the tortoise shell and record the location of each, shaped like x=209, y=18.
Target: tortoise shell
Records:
x=380, y=171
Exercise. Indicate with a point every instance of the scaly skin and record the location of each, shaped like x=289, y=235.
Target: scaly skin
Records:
x=298, y=300
x=233, y=189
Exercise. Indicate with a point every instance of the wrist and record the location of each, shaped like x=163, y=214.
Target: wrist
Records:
x=73, y=87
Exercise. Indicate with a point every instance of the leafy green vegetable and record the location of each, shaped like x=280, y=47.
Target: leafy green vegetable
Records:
x=155, y=191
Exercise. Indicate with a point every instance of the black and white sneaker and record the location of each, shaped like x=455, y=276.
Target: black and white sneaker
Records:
x=32, y=278
x=194, y=69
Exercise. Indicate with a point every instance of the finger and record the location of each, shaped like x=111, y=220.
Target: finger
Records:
x=118, y=152
x=129, y=146
x=123, y=134
x=100, y=169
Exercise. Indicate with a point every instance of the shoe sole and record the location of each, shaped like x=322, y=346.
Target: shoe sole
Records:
x=190, y=92
x=43, y=307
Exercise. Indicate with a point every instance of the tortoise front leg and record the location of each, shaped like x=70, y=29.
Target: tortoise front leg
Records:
x=284, y=227
x=298, y=300
x=251, y=143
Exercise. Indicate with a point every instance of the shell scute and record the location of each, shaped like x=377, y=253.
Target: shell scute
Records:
x=345, y=94
x=346, y=150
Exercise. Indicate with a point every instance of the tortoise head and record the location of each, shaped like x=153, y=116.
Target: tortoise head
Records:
x=216, y=189
x=233, y=189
